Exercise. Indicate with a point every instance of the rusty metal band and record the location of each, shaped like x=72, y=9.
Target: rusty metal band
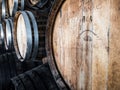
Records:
x=35, y=35
x=29, y=37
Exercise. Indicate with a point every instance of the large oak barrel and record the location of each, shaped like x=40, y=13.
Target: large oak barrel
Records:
x=29, y=36
x=83, y=44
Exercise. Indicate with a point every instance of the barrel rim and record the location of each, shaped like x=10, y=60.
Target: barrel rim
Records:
x=49, y=47
x=2, y=35
x=35, y=36
x=3, y=9
x=8, y=38
x=27, y=25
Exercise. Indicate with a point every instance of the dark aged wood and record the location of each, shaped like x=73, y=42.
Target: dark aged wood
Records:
x=83, y=44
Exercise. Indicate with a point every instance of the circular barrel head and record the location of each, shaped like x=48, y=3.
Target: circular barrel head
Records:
x=25, y=42
x=22, y=36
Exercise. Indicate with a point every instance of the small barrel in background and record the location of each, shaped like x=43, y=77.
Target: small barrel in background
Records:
x=29, y=35
x=25, y=35
x=2, y=43
x=7, y=25
x=6, y=38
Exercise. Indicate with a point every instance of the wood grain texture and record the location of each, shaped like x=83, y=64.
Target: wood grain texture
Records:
x=101, y=25
x=86, y=44
x=114, y=55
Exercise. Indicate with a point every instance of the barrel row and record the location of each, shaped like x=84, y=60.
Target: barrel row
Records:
x=35, y=79
x=10, y=67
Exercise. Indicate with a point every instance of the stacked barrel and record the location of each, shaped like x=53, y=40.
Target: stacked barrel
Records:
x=8, y=10
x=23, y=27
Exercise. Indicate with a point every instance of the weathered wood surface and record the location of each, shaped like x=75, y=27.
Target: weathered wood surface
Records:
x=86, y=44
x=114, y=44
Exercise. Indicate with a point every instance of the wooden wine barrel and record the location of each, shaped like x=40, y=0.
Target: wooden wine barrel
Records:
x=7, y=26
x=29, y=36
x=15, y=5
x=34, y=2
x=83, y=44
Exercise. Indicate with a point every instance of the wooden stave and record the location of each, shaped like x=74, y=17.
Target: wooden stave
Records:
x=10, y=67
x=44, y=79
x=51, y=20
x=7, y=41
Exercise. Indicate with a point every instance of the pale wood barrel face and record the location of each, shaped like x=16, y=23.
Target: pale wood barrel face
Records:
x=86, y=50
x=21, y=36
x=11, y=5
